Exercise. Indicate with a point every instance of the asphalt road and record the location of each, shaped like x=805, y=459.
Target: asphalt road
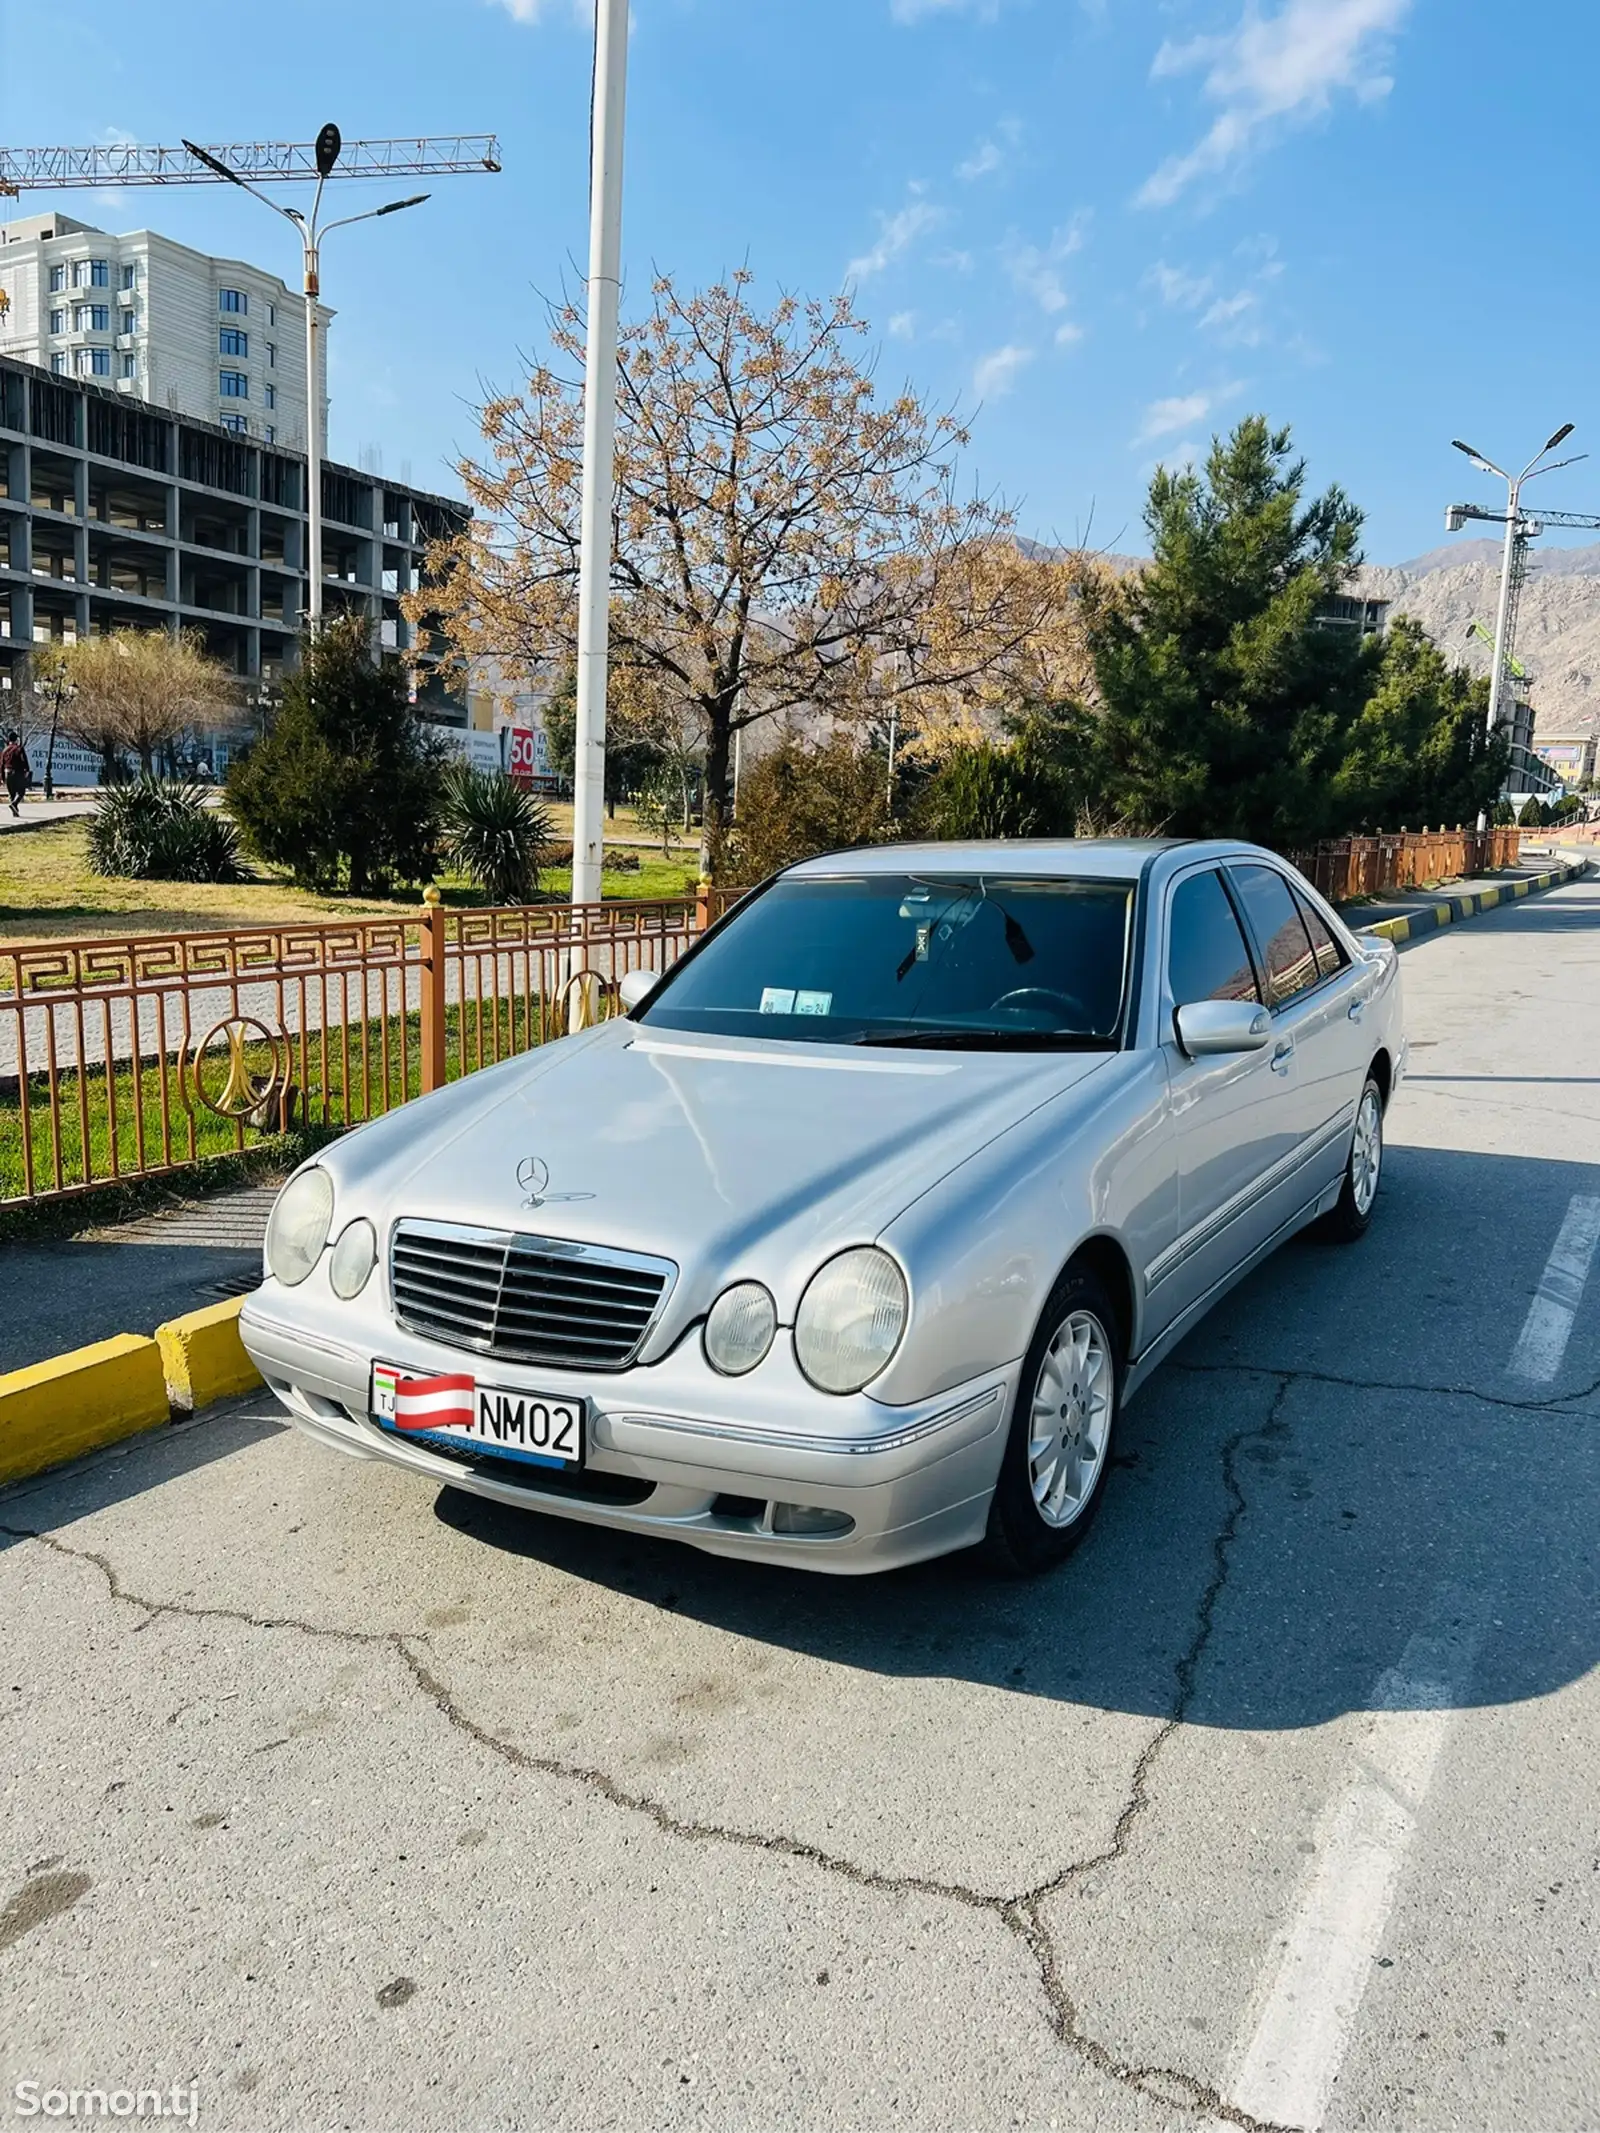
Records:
x=355, y=1805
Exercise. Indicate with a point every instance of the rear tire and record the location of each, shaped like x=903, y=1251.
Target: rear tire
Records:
x=1069, y=1398
x=1351, y=1217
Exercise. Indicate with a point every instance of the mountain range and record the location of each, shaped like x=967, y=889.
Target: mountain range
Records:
x=1558, y=626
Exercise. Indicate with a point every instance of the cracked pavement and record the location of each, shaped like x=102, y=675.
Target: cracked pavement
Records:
x=357, y=1803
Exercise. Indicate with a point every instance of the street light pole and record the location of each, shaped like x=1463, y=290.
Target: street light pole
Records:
x=1501, y=676
x=311, y=234
x=599, y=444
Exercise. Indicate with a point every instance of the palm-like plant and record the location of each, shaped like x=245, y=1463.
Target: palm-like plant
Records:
x=154, y=830
x=494, y=832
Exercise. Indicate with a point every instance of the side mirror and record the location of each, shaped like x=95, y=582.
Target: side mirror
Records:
x=636, y=988
x=1209, y=1028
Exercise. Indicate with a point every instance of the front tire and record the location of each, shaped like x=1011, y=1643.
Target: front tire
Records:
x=1069, y=1397
x=1351, y=1216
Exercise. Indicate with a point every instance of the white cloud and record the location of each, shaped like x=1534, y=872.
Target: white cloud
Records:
x=990, y=153
x=1233, y=317
x=986, y=157
x=997, y=373
x=1068, y=334
x=1036, y=269
x=1275, y=71
x=1178, y=287
x=903, y=326
x=1234, y=320
x=897, y=233
x=542, y=10
x=1164, y=418
x=908, y=11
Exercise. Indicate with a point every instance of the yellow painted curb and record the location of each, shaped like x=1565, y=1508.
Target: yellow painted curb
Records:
x=204, y=1358
x=75, y=1403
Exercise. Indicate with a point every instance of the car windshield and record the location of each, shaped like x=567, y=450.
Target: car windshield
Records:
x=913, y=959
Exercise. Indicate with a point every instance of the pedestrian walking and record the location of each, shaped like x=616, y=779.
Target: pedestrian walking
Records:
x=16, y=770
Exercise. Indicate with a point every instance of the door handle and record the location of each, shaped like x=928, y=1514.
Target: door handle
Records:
x=1357, y=1009
x=1281, y=1058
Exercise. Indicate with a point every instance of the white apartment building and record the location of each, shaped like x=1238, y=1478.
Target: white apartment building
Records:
x=205, y=337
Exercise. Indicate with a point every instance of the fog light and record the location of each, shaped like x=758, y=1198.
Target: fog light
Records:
x=809, y=1519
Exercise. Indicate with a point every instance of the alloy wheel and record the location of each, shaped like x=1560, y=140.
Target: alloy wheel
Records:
x=1070, y=1422
x=1366, y=1152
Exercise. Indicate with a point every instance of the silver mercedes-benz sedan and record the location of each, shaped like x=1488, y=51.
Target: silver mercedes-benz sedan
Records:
x=846, y=1245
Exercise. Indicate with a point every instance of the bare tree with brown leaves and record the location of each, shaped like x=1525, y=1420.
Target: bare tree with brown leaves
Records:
x=786, y=538
x=135, y=692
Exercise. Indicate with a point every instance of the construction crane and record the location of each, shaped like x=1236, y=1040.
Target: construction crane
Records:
x=248, y=164
x=1524, y=530
x=259, y=162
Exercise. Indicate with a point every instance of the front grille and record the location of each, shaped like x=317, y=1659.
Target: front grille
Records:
x=529, y=1299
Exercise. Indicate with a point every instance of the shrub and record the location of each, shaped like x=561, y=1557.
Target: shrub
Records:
x=806, y=797
x=984, y=790
x=345, y=787
x=494, y=832
x=154, y=831
x=1533, y=815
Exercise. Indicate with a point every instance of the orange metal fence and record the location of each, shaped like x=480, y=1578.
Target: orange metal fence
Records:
x=130, y=1057
x=1349, y=867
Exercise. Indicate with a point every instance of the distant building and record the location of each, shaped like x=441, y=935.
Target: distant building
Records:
x=118, y=515
x=156, y=321
x=1570, y=756
x=1350, y=611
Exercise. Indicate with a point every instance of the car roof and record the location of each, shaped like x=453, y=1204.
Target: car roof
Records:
x=1105, y=858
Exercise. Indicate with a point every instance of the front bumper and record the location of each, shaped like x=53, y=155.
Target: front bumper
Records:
x=706, y=1460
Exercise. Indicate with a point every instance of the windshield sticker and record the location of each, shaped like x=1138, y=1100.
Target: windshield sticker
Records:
x=775, y=1001
x=813, y=1003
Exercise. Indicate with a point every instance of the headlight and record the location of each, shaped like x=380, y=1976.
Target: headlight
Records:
x=354, y=1257
x=739, y=1328
x=299, y=1226
x=850, y=1320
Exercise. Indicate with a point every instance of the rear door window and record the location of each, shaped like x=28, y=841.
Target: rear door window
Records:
x=1280, y=932
x=1330, y=957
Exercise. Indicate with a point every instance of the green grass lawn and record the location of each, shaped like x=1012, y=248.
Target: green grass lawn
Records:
x=47, y=892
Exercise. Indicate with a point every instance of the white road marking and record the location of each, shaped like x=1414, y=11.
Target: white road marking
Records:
x=1309, y=1992
x=1546, y=1329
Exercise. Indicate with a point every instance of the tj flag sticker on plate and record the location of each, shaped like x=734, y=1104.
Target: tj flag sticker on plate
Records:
x=433, y=1403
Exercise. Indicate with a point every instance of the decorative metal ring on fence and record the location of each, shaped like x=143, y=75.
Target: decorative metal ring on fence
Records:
x=597, y=999
x=247, y=1094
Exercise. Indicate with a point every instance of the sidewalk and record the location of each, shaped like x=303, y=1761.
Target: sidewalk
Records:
x=65, y=1292
x=1361, y=917
x=38, y=813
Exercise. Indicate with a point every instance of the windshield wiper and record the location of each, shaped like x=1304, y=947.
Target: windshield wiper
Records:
x=965, y=1038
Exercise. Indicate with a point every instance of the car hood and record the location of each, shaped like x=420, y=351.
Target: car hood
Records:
x=733, y=1159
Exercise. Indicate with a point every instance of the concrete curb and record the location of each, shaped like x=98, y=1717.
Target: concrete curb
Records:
x=1450, y=910
x=57, y=1411
x=204, y=1358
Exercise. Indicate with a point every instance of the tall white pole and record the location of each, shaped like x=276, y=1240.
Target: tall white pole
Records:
x=1503, y=617
x=599, y=441
x=313, y=440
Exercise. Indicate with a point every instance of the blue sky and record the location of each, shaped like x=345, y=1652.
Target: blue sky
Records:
x=1104, y=227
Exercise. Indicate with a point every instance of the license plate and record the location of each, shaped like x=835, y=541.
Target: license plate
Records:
x=458, y=1413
